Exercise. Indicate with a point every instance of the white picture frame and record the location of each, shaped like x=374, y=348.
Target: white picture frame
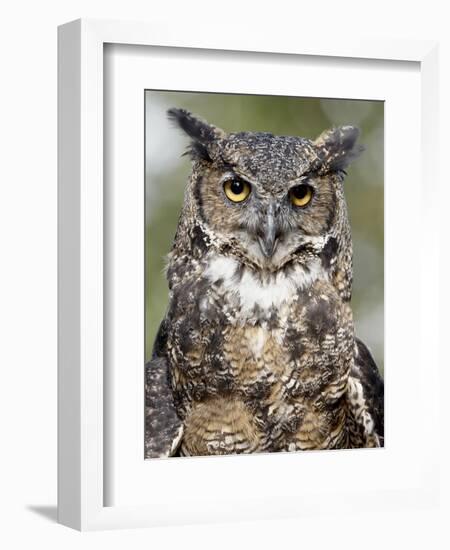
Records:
x=93, y=477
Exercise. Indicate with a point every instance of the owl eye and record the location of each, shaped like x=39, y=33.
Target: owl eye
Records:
x=236, y=190
x=301, y=195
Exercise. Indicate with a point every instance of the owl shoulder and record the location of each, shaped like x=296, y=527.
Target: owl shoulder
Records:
x=324, y=306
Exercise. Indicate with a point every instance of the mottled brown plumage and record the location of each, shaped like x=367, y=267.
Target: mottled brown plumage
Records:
x=257, y=347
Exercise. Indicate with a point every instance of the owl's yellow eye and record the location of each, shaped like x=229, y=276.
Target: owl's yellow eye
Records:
x=301, y=195
x=236, y=190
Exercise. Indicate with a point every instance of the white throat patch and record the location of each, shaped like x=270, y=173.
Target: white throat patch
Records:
x=276, y=290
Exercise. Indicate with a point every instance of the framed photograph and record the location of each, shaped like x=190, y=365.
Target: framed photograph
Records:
x=237, y=301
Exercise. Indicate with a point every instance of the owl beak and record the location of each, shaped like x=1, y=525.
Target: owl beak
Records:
x=267, y=246
x=267, y=237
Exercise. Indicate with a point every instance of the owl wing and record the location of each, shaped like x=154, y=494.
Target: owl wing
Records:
x=163, y=428
x=366, y=371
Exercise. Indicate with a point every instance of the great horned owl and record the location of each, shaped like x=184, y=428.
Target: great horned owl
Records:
x=257, y=351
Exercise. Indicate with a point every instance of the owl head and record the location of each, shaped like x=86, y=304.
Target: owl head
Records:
x=270, y=200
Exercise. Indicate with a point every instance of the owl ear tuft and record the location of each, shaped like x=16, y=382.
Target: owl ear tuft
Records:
x=203, y=135
x=337, y=148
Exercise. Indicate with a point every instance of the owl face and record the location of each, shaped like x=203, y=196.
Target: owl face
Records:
x=270, y=197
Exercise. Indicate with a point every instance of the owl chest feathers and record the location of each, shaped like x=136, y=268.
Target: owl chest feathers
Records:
x=278, y=348
x=236, y=329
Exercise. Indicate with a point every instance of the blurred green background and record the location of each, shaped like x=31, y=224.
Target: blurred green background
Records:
x=166, y=173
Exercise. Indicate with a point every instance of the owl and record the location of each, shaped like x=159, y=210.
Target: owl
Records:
x=257, y=350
